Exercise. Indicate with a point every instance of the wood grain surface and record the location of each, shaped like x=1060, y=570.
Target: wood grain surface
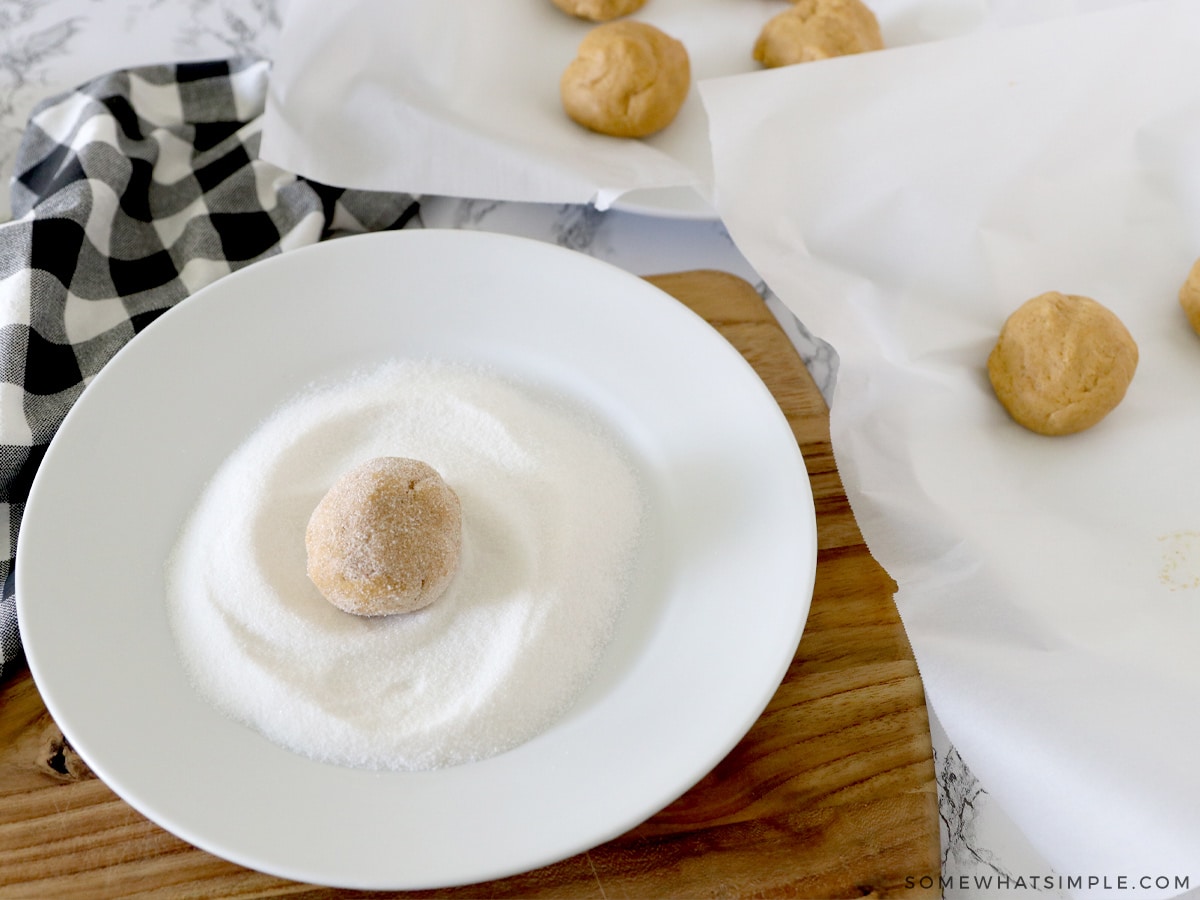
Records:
x=831, y=794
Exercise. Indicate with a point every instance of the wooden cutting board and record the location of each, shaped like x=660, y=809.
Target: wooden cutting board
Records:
x=831, y=794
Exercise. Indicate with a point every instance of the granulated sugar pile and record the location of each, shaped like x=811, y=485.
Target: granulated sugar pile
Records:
x=551, y=514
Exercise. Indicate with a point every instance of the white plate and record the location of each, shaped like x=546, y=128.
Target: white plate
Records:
x=716, y=612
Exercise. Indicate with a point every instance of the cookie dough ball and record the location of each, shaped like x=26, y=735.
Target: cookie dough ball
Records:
x=1189, y=297
x=629, y=79
x=817, y=29
x=599, y=10
x=1062, y=363
x=386, y=538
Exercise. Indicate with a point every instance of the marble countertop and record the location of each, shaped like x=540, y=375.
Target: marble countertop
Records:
x=50, y=45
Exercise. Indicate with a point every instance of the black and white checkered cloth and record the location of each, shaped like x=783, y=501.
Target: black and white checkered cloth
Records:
x=130, y=193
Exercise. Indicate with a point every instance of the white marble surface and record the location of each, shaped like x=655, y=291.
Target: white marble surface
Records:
x=49, y=45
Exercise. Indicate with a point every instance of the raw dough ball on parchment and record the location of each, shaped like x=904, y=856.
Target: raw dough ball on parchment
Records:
x=817, y=29
x=1189, y=296
x=1062, y=363
x=386, y=538
x=628, y=79
x=599, y=10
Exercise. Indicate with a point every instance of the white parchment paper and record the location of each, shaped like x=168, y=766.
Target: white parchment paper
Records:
x=460, y=97
x=903, y=203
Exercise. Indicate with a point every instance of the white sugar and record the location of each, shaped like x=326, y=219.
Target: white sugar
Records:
x=551, y=515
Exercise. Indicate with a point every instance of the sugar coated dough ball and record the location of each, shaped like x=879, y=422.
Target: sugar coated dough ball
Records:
x=1189, y=297
x=1062, y=363
x=817, y=29
x=599, y=10
x=386, y=538
x=628, y=79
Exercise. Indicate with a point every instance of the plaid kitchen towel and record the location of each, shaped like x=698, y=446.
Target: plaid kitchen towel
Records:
x=130, y=193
